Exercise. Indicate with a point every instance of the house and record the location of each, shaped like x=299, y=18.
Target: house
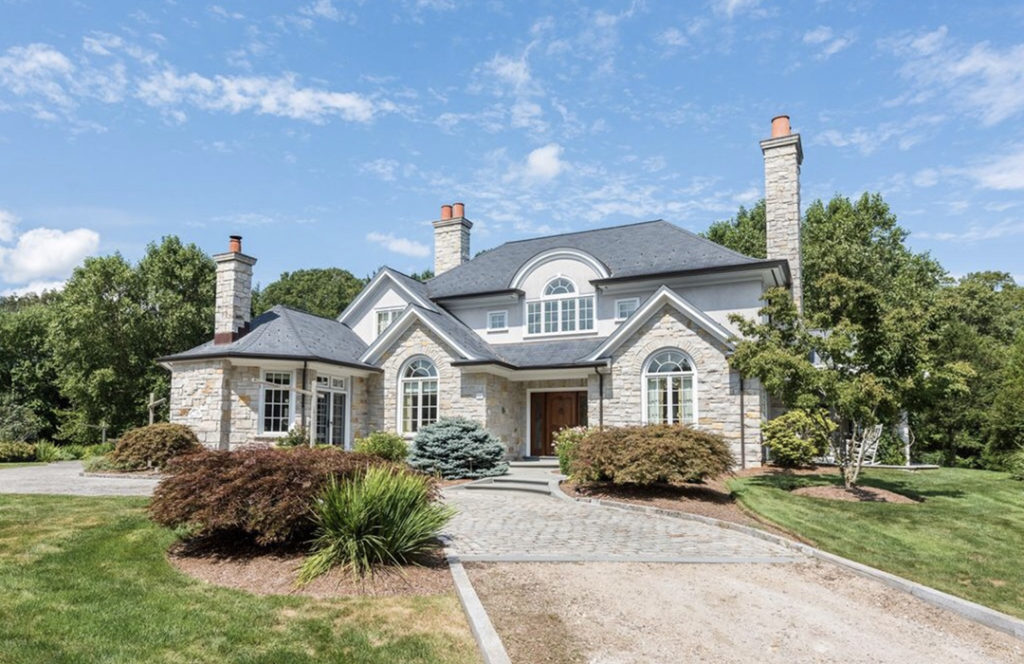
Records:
x=612, y=326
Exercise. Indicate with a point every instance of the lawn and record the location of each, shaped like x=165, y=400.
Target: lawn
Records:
x=85, y=579
x=965, y=538
x=16, y=464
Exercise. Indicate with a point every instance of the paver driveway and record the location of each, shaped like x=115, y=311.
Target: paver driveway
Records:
x=65, y=477
x=516, y=526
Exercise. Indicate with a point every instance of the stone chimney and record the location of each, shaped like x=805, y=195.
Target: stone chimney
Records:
x=783, y=154
x=233, y=303
x=451, y=238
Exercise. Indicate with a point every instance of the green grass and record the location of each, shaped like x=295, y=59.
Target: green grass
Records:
x=966, y=538
x=86, y=580
x=15, y=464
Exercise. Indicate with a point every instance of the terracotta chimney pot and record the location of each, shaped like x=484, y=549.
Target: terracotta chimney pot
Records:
x=446, y=212
x=780, y=126
x=235, y=244
x=458, y=210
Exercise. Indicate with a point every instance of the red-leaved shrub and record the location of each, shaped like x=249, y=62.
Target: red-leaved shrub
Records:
x=651, y=454
x=264, y=493
x=151, y=447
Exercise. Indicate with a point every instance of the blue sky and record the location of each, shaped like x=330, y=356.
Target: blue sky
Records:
x=328, y=133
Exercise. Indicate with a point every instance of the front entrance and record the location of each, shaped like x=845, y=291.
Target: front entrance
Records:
x=550, y=412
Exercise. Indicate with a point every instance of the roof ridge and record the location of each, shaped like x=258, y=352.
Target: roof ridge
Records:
x=589, y=230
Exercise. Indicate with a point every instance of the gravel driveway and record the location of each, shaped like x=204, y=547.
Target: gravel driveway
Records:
x=65, y=477
x=619, y=613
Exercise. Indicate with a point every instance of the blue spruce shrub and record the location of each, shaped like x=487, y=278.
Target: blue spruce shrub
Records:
x=456, y=447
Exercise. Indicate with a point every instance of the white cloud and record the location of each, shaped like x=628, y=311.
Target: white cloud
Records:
x=926, y=177
x=382, y=168
x=46, y=253
x=671, y=37
x=281, y=97
x=1005, y=172
x=905, y=134
x=37, y=70
x=544, y=163
x=829, y=42
x=34, y=287
x=7, y=223
x=976, y=232
x=732, y=7
x=399, y=245
x=980, y=80
x=504, y=74
x=322, y=9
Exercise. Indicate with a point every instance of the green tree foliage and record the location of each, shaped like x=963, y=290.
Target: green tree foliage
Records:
x=321, y=291
x=423, y=276
x=1006, y=418
x=113, y=319
x=744, y=233
x=27, y=372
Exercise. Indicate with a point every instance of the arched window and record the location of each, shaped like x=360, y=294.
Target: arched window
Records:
x=559, y=286
x=418, y=386
x=670, y=392
x=559, y=310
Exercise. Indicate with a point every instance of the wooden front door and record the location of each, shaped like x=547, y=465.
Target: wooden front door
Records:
x=550, y=412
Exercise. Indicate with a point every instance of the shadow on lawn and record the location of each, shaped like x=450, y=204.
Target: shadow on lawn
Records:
x=789, y=481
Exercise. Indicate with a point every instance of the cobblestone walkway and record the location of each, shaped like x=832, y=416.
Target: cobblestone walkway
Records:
x=515, y=526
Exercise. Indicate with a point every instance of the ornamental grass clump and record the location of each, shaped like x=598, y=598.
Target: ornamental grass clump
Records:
x=456, y=448
x=385, y=517
x=650, y=454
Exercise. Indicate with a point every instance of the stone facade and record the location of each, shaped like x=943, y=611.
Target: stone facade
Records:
x=233, y=302
x=782, y=158
x=718, y=386
x=451, y=243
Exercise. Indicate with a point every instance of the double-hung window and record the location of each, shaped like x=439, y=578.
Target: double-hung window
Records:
x=277, y=401
x=560, y=310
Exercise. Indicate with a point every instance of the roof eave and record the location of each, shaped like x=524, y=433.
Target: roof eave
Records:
x=170, y=359
x=736, y=267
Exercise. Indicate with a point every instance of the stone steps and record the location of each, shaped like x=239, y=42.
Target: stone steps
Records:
x=535, y=462
x=527, y=484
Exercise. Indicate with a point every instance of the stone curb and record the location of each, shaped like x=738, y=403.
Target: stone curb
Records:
x=967, y=609
x=624, y=558
x=122, y=476
x=487, y=639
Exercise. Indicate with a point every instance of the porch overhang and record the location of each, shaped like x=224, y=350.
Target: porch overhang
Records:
x=521, y=374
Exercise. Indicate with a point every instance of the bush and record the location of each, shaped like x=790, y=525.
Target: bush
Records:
x=385, y=517
x=651, y=454
x=265, y=494
x=456, y=447
x=151, y=447
x=797, y=437
x=18, y=422
x=566, y=443
x=296, y=437
x=1015, y=464
x=47, y=452
x=15, y=451
x=384, y=444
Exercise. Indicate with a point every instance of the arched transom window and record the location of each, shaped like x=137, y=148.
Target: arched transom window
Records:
x=670, y=393
x=560, y=311
x=418, y=387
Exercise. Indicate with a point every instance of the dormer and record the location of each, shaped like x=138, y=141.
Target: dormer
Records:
x=559, y=297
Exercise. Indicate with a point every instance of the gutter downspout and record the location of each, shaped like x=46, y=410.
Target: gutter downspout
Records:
x=600, y=394
x=302, y=408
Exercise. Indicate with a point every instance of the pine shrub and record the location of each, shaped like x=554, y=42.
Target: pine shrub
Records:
x=385, y=517
x=457, y=447
x=151, y=447
x=385, y=444
x=651, y=454
x=265, y=495
x=1015, y=464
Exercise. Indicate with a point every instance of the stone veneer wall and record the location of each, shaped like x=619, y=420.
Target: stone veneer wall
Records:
x=782, y=158
x=718, y=386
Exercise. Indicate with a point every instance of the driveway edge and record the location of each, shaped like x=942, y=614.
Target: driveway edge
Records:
x=487, y=639
x=976, y=612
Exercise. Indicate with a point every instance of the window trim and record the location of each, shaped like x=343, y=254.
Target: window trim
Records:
x=504, y=328
x=636, y=305
x=261, y=417
x=692, y=373
x=558, y=300
x=401, y=381
x=395, y=313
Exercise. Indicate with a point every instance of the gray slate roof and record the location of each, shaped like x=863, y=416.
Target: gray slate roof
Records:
x=285, y=332
x=459, y=332
x=559, y=352
x=634, y=250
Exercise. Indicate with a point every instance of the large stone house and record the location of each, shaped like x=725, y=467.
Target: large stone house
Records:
x=612, y=326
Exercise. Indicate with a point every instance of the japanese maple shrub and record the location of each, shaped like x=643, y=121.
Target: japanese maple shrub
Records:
x=151, y=447
x=457, y=447
x=650, y=454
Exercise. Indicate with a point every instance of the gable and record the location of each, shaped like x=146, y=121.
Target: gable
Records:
x=388, y=290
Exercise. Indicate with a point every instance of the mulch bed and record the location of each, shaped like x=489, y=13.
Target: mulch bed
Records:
x=263, y=572
x=857, y=494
